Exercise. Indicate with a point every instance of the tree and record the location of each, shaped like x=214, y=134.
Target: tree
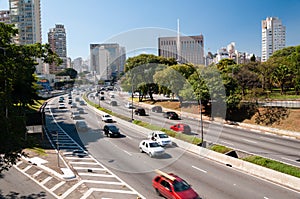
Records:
x=246, y=79
x=140, y=71
x=72, y=73
x=17, y=91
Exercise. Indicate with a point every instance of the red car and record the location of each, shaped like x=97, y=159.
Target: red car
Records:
x=183, y=128
x=172, y=186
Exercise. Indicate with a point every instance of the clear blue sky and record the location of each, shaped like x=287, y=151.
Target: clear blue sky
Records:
x=220, y=21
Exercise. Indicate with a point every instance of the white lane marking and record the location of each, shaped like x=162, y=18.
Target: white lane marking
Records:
x=271, y=139
x=57, y=185
x=46, y=180
x=287, y=159
x=128, y=137
x=85, y=168
x=90, y=191
x=127, y=152
x=266, y=197
x=96, y=174
x=228, y=143
x=37, y=173
x=199, y=169
x=249, y=141
x=88, y=163
x=28, y=167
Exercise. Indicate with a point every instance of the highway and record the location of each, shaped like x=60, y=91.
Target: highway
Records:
x=272, y=146
x=122, y=157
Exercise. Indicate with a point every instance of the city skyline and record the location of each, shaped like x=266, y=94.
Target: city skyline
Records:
x=220, y=22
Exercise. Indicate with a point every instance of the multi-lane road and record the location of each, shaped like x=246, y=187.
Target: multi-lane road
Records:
x=252, y=141
x=122, y=157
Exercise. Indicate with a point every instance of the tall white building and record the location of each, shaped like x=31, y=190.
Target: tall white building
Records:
x=273, y=36
x=107, y=60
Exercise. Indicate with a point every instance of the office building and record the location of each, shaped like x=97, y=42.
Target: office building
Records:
x=273, y=36
x=57, y=42
x=185, y=49
x=107, y=60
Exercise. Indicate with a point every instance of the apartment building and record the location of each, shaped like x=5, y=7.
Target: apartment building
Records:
x=273, y=36
x=57, y=41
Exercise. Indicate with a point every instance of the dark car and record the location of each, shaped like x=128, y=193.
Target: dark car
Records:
x=113, y=103
x=171, y=115
x=170, y=185
x=140, y=111
x=111, y=130
x=156, y=109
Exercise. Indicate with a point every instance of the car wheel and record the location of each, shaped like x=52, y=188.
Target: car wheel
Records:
x=157, y=192
x=151, y=155
x=141, y=150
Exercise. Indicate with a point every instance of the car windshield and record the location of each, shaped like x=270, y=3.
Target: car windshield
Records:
x=113, y=128
x=106, y=116
x=153, y=144
x=163, y=136
x=181, y=186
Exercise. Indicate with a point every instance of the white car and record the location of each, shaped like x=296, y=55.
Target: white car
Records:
x=107, y=118
x=151, y=147
x=75, y=115
x=160, y=137
x=129, y=105
x=61, y=106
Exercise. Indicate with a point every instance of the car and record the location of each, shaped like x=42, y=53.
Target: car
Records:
x=81, y=125
x=113, y=103
x=75, y=115
x=70, y=101
x=82, y=103
x=61, y=106
x=77, y=99
x=73, y=105
x=156, y=109
x=111, y=130
x=80, y=110
x=183, y=128
x=152, y=148
x=171, y=115
x=129, y=105
x=170, y=185
x=112, y=95
x=140, y=111
x=160, y=137
x=107, y=118
x=101, y=98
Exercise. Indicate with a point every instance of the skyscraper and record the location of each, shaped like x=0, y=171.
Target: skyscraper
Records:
x=57, y=42
x=26, y=15
x=273, y=36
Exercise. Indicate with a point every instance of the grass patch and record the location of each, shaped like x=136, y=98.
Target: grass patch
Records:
x=272, y=164
x=220, y=149
x=39, y=151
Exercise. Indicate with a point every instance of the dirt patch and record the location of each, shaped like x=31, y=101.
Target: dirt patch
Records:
x=290, y=123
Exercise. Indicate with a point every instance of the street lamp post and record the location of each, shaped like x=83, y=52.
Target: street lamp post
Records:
x=132, y=100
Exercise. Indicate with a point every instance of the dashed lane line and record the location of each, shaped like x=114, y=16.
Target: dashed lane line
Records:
x=90, y=191
x=199, y=169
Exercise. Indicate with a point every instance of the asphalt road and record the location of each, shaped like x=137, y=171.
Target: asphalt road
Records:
x=271, y=146
x=15, y=185
x=208, y=178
